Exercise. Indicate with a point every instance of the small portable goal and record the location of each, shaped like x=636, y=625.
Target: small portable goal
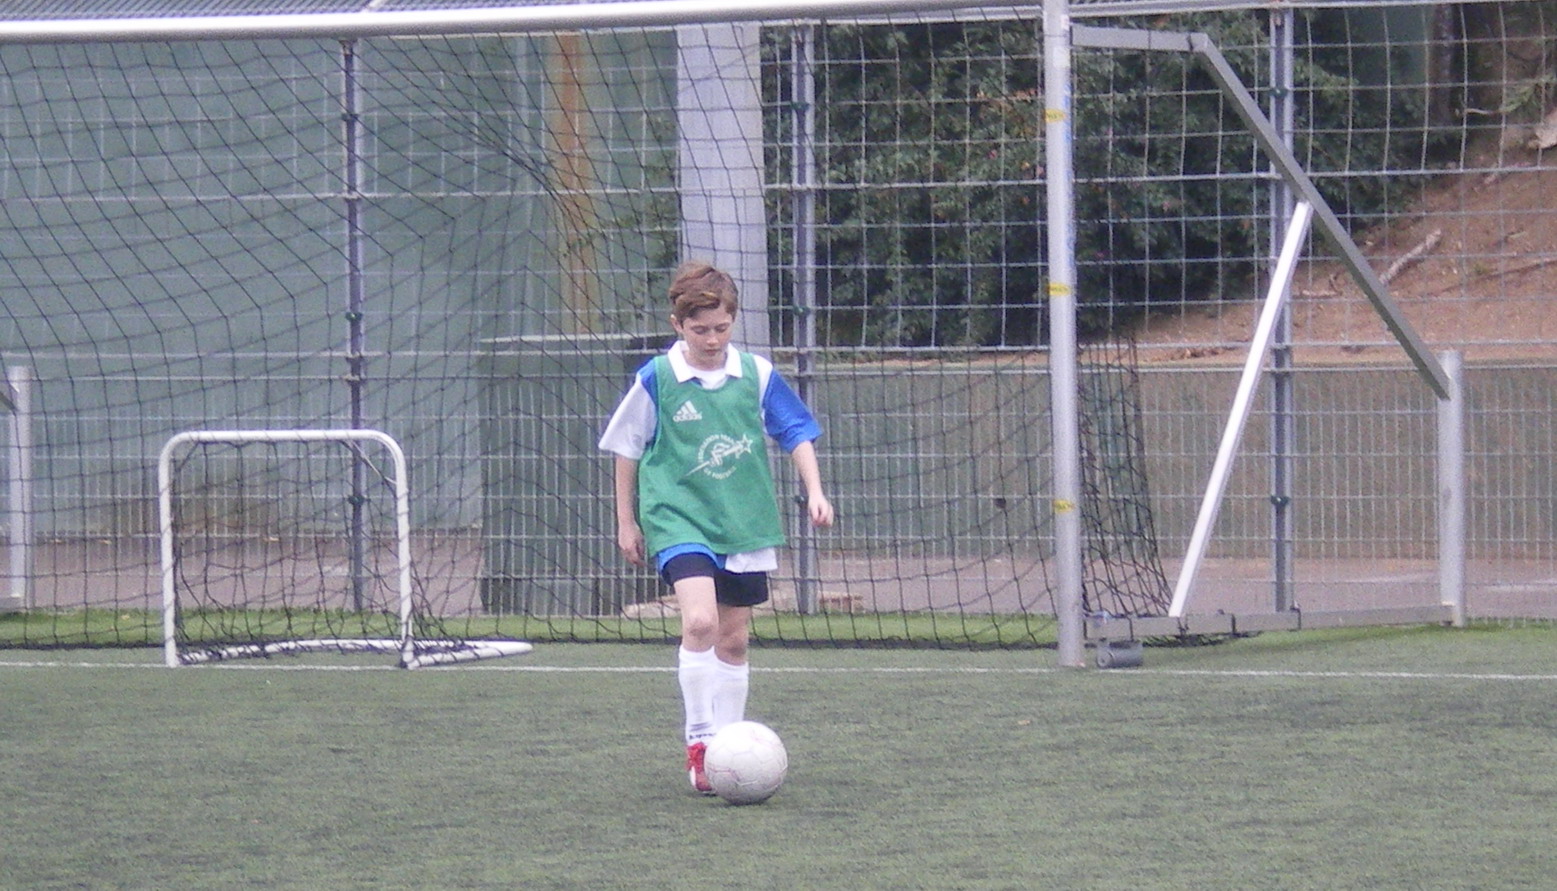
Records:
x=294, y=541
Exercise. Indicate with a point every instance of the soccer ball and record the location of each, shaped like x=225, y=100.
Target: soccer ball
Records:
x=745, y=762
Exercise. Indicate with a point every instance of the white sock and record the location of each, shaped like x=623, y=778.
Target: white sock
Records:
x=699, y=676
x=730, y=693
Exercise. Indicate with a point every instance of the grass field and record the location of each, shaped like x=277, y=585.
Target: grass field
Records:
x=1404, y=758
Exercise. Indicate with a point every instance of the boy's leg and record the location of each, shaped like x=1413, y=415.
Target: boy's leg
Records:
x=733, y=638
x=737, y=593
x=695, y=601
x=734, y=672
x=697, y=665
x=712, y=667
x=697, y=669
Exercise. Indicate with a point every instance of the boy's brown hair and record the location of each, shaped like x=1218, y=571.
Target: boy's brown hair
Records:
x=698, y=286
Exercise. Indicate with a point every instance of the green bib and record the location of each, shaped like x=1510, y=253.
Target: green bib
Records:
x=705, y=478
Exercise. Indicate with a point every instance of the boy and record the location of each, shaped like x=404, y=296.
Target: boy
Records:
x=694, y=492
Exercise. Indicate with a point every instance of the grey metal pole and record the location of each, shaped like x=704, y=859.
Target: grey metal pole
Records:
x=356, y=301
x=1451, y=490
x=1059, y=186
x=719, y=165
x=1282, y=398
x=19, y=466
x=803, y=176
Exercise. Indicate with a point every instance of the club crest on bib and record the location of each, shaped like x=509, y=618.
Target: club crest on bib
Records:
x=719, y=455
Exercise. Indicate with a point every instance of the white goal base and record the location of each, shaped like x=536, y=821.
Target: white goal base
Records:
x=433, y=652
x=465, y=651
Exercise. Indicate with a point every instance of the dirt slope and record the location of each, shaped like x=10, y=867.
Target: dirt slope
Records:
x=1472, y=267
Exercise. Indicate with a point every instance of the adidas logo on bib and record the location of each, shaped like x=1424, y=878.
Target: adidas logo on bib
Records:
x=687, y=412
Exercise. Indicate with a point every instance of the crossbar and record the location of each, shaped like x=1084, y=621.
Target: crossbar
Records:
x=496, y=19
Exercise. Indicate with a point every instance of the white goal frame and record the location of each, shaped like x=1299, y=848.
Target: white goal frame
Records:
x=441, y=652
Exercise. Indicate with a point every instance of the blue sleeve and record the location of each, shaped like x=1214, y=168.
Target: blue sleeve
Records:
x=787, y=419
x=646, y=377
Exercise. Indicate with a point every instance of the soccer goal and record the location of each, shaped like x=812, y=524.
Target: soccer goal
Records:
x=293, y=541
x=948, y=220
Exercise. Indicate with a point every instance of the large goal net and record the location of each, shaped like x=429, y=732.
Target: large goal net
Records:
x=464, y=240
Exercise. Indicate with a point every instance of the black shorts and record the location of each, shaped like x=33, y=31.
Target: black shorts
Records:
x=730, y=588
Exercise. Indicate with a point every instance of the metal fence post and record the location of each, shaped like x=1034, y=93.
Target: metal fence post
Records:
x=19, y=478
x=1451, y=489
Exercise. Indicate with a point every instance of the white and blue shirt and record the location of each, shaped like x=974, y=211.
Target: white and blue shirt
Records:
x=784, y=416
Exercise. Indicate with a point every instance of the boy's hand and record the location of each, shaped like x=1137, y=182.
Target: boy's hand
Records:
x=820, y=509
x=629, y=539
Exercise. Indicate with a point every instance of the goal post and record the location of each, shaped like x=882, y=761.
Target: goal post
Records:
x=247, y=521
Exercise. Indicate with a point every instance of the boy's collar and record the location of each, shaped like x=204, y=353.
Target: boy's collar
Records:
x=684, y=370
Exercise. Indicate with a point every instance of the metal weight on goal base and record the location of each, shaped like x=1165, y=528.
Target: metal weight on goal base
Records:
x=1119, y=654
x=1114, y=642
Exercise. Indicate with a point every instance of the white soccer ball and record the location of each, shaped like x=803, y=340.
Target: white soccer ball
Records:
x=746, y=762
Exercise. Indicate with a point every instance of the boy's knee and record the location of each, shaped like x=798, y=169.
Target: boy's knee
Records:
x=700, y=630
x=731, y=652
x=734, y=641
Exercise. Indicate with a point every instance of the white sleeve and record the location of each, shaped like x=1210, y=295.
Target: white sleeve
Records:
x=764, y=375
x=632, y=425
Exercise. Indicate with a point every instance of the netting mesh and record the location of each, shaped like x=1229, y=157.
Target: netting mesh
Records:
x=463, y=242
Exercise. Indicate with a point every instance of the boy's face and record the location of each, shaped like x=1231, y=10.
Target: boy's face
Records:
x=707, y=333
